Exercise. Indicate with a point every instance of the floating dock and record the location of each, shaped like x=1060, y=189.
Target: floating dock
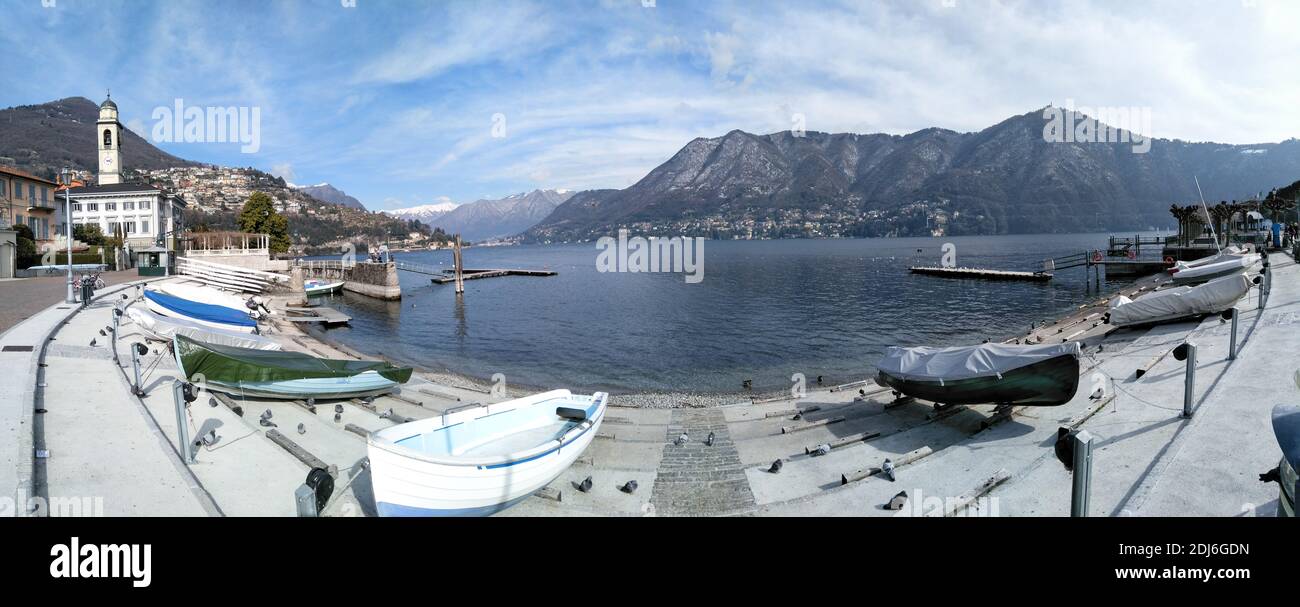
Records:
x=472, y=274
x=981, y=273
x=321, y=314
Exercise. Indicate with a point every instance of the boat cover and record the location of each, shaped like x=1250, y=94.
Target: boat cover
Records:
x=1221, y=265
x=965, y=362
x=163, y=327
x=1286, y=427
x=231, y=365
x=1179, y=302
x=201, y=311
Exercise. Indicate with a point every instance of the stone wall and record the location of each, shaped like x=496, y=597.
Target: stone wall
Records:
x=378, y=280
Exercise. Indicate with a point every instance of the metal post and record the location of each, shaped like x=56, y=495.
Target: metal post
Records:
x=1082, y=470
x=1189, y=380
x=135, y=367
x=67, y=216
x=1232, y=345
x=182, y=428
x=113, y=337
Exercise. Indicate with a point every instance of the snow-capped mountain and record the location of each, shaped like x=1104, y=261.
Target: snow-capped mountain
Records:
x=425, y=213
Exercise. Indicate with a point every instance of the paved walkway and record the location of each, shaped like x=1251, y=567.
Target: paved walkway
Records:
x=20, y=298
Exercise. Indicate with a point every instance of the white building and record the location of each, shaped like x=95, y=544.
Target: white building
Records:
x=145, y=214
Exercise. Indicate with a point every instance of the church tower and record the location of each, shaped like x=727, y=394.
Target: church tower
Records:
x=109, y=134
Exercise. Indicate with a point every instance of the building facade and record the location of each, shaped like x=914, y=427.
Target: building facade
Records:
x=26, y=199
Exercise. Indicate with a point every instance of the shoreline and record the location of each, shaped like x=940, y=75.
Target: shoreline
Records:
x=1041, y=332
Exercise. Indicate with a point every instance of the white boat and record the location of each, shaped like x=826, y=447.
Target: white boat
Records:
x=205, y=294
x=321, y=287
x=163, y=328
x=1180, y=302
x=1225, y=264
x=477, y=461
x=207, y=315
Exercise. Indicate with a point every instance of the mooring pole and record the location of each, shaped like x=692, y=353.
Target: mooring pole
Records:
x=460, y=267
x=182, y=428
x=1232, y=345
x=1082, y=470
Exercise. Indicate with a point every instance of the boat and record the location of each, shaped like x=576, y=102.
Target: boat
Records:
x=284, y=374
x=208, y=315
x=477, y=461
x=1202, y=270
x=1003, y=374
x=210, y=295
x=1179, y=302
x=321, y=287
x=163, y=328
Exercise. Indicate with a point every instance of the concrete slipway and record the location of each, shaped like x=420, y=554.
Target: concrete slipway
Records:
x=103, y=442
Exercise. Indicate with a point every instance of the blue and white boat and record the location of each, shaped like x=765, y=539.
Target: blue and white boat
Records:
x=208, y=315
x=477, y=461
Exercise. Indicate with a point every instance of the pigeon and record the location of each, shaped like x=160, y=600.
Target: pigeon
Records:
x=822, y=449
x=92, y=343
x=338, y=408
x=265, y=420
x=212, y=402
x=1272, y=476
x=797, y=417
x=302, y=428
x=311, y=401
x=584, y=486
x=819, y=379
x=708, y=442
x=1097, y=394
x=338, y=417
x=102, y=333
x=776, y=466
x=681, y=440
x=887, y=469
x=896, y=503
x=628, y=487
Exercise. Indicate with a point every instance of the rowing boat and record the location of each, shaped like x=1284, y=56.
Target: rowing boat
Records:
x=1037, y=375
x=481, y=460
x=208, y=315
x=284, y=374
x=164, y=328
x=314, y=288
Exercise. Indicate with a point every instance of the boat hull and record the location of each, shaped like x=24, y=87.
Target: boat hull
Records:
x=323, y=289
x=203, y=314
x=357, y=386
x=410, y=486
x=1046, y=383
x=164, y=328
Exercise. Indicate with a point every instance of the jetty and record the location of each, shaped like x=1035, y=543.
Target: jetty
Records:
x=474, y=274
x=321, y=314
x=981, y=273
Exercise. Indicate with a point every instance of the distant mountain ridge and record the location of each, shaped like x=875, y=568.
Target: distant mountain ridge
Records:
x=425, y=213
x=487, y=219
x=1005, y=178
x=329, y=193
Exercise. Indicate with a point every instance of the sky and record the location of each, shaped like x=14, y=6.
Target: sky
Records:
x=402, y=103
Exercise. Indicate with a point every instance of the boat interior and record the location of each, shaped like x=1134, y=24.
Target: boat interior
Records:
x=505, y=432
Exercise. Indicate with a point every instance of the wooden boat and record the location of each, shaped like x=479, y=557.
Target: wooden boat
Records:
x=283, y=374
x=208, y=315
x=164, y=328
x=477, y=461
x=314, y=288
x=1179, y=302
x=1033, y=375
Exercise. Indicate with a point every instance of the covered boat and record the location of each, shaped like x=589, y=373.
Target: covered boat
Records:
x=478, y=461
x=283, y=374
x=1040, y=375
x=1225, y=264
x=321, y=287
x=164, y=328
x=209, y=295
x=1180, y=302
x=208, y=315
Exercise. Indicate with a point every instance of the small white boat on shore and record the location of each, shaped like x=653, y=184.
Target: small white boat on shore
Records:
x=208, y=295
x=164, y=328
x=1180, y=302
x=1210, y=268
x=315, y=288
x=481, y=460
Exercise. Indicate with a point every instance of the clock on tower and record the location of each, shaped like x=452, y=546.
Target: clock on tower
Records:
x=110, y=143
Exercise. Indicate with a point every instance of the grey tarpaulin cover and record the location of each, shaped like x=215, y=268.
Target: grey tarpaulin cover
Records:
x=965, y=362
x=1180, y=302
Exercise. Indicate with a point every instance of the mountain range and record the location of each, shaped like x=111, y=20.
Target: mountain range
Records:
x=329, y=193
x=488, y=219
x=1007, y=178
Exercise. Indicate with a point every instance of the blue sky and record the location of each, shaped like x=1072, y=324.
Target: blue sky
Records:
x=394, y=101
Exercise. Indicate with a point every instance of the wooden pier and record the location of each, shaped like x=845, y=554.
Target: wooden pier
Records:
x=320, y=314
x=981, y=273
x=473, y=274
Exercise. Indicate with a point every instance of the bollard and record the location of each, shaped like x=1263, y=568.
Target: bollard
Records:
x=1187, y=352
x=1232, y=344
x=1082, y=473
x=182, y=428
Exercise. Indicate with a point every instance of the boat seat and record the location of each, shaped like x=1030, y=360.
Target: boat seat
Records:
x=576, y=415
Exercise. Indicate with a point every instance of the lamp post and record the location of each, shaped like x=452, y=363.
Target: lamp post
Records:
x=67, y=220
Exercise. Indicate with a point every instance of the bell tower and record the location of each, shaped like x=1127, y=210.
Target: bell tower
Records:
x=109, y=134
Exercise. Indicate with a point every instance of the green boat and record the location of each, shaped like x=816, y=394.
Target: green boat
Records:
x=283, y=374
x=1001, y=374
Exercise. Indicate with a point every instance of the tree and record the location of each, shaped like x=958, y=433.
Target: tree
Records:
x=89, y=233
x=260, y=217
x=27, y=254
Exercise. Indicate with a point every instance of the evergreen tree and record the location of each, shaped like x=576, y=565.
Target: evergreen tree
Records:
x=260, y=217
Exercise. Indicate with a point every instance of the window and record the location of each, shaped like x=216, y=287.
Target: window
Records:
x=144, y=226
x=4, y=188
x=18, y=190
x=45, y=229
x=144, y=205
x=110, y=206
x=108, y=138
x=130, y=227
x=112, y=228
x=31, y=192
x=92, y=206
x=128, y=205
x=44, y=192
x=76, y=207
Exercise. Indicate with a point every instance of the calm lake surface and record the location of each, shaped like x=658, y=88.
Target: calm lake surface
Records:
x=764, y=311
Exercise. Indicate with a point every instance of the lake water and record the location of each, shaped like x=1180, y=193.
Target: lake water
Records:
x=764, y=311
